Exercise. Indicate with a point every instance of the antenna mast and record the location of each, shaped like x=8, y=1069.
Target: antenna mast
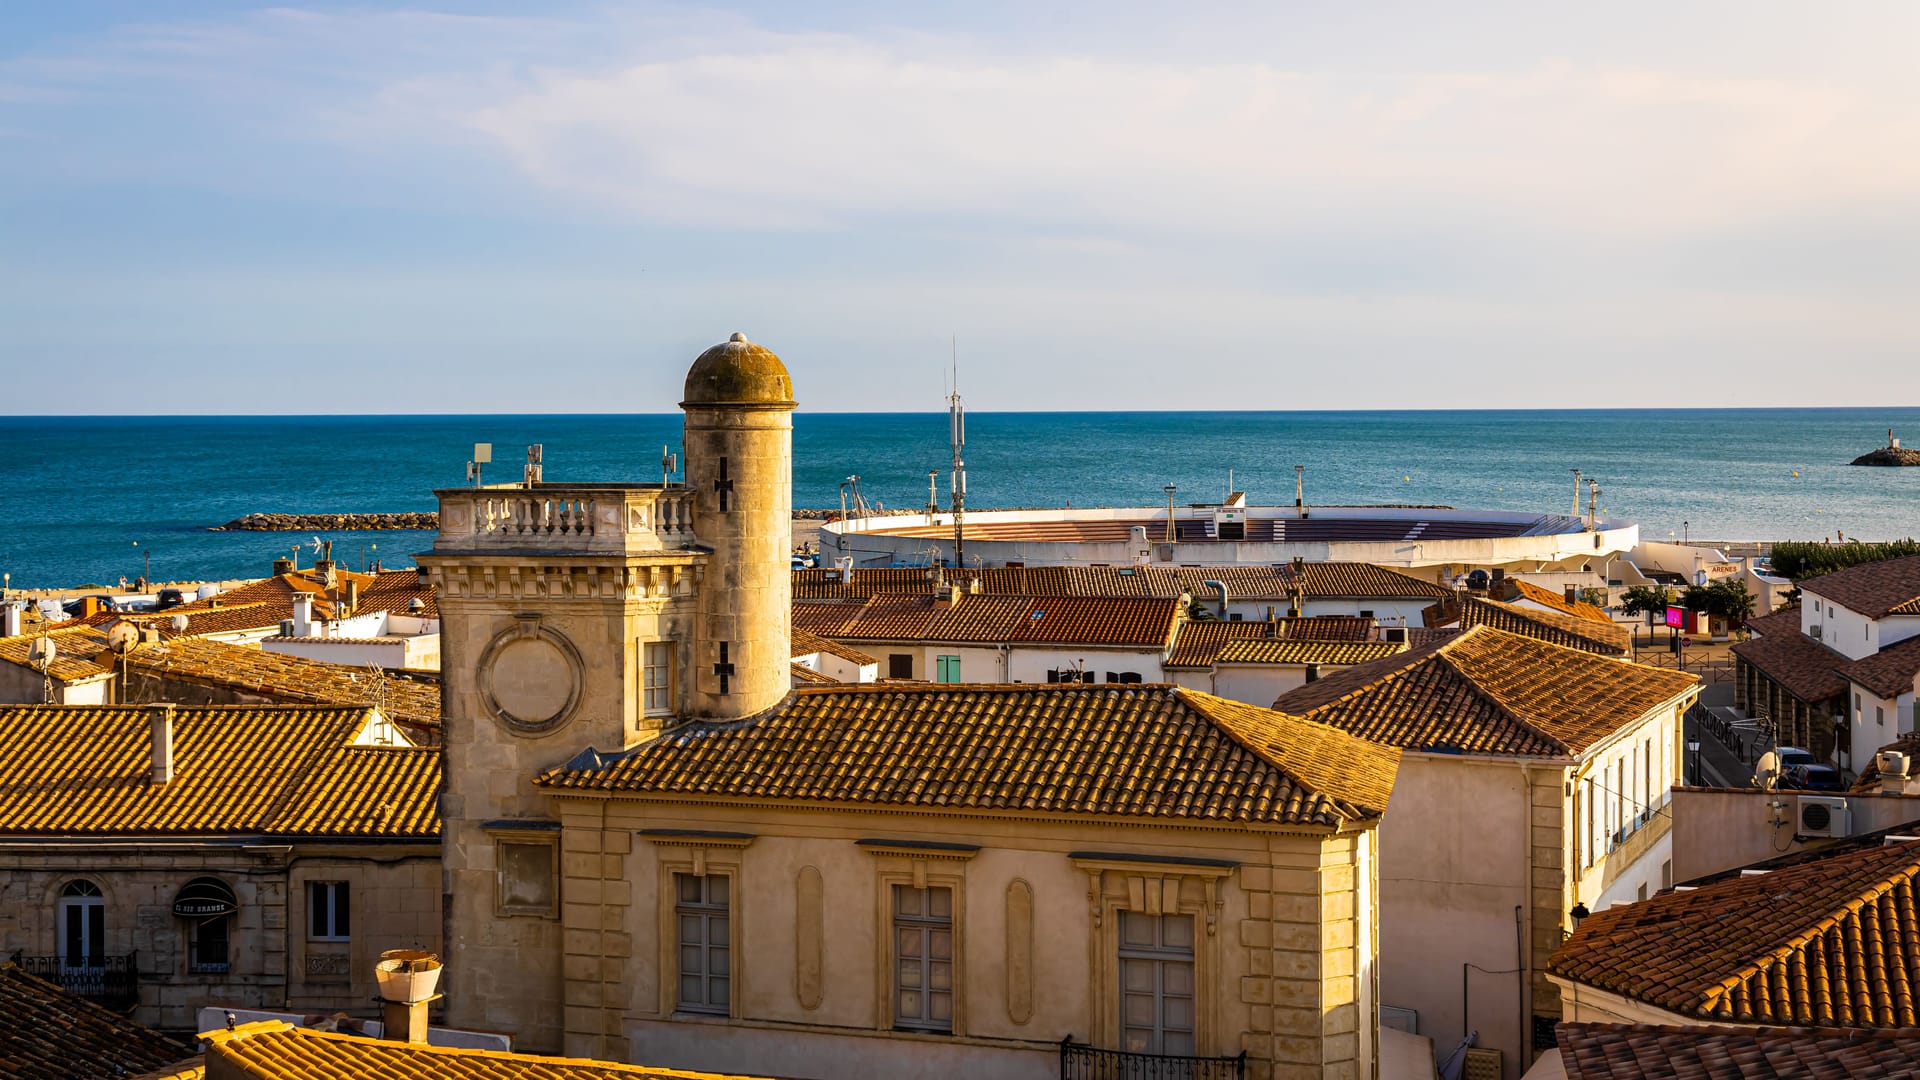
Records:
x=957, y=418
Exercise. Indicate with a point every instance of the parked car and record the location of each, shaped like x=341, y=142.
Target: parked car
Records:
x=1794, y=755
x=168, y=598
x=1814, y=778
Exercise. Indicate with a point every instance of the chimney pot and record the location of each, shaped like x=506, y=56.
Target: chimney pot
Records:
x=353, y=594
x=160, y=726
x=10, y=620
x=282, y=566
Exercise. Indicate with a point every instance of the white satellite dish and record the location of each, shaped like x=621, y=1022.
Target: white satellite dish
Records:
x=1766, y=771
x=122, y=636
x=41, y=653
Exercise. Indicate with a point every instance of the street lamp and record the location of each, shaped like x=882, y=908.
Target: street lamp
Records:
x=1693, y=747
x=1686, y=532
x=146, y=564
x=364, y=564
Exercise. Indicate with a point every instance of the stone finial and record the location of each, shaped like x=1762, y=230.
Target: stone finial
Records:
x=737, y=336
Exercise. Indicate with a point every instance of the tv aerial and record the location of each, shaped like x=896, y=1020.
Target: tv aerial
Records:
x=669, y=464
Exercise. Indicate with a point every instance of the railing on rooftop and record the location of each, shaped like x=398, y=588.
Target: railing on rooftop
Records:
x=569, y=517
x=114, y=982
x=1080, y=1061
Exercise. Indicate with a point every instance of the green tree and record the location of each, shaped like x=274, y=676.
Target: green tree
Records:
x=1646, y=600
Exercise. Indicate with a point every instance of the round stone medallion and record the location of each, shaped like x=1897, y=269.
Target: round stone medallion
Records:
x=532, y=679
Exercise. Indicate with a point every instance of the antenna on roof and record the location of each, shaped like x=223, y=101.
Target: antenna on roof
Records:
x=669, y=463
x=957, y=422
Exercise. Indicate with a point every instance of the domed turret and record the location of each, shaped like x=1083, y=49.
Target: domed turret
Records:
x=738, y=372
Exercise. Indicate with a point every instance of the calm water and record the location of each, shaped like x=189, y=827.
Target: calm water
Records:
x=84, y=497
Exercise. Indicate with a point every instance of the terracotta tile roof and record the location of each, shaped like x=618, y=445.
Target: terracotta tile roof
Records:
x=272, y=1050
x=1802, y=666
x=1352, y=580
x=1418, y=636
x=1488, y=692
x=1135, y=751
x=76, y=649
x=291, y=680
x=393, y=590
x=1889, y=672
x=1141, y=623
x=804, y=674
x=49, y=1034
x=1198, y=642
x=278, y=770
x=1572, y=631
x=1784, y=621
x=1301, y=651
x=1875, y=589
x=1558, y=602
x=1607, y=1051
x=1830, y=942
x=806, y=642
x=266, y=602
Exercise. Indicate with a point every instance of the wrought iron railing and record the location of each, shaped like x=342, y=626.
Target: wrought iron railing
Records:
x=1081, y=1061
x=113, y=982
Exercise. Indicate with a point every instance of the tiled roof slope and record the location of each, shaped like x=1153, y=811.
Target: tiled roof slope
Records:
x=292, y=680
x=84, y=770
x=393, y=590
x=1198, y=642
x=75, y=656
x=1784, y=621
x=1330, y=580
x=1612, y=1051
x=1875, y=589
x=1557, y=627
x=273, y=1050
x=1889, y=672
x=804, y=674
x=806, y=642
x=1830, y=942
x=1547, y=597
x=1295, y=651
x=1140, y=623
x=49, y=1034
x=1487, y=692
x=1802, y=666
x=1134, y=751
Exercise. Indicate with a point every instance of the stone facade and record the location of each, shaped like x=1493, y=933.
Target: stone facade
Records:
x=394, y=891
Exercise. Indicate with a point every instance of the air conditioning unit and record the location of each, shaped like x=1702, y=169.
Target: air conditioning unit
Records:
x=1822, y=815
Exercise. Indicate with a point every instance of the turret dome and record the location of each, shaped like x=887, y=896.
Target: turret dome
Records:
x=739, y=372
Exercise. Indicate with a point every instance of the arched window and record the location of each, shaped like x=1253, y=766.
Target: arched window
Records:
x=83, y=926
x=208, y=904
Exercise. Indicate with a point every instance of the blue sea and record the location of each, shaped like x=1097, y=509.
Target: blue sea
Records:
x=87, y=498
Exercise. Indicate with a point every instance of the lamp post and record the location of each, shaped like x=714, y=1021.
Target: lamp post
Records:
x=1693, y=748
x=1169, y=489
x=146, y=564
x=364, y=563
x=1686, y=532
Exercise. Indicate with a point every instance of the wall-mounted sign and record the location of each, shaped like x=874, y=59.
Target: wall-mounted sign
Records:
x=205, y=898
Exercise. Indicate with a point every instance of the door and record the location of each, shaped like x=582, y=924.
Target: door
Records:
x=83, y=926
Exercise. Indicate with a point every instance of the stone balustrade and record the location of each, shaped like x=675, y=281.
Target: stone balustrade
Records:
x=566, y=518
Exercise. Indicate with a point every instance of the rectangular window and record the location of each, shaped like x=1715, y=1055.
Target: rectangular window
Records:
x=207, y=947
x=946, y=669
x=700, y=908
x=1156, y=983
x=923, y=958
x=327, y=911
x=1856, y=703
x=899, y=665
x=656, y=677
x=1880, y=715
x=1646, y=779
x=527, y=878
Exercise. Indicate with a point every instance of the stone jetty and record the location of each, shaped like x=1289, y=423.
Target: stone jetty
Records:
x=1891, y=454
x=425, y=520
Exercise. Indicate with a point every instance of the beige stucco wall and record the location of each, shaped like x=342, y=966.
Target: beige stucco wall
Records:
x=1285, y=973
x=395, y=898
x=1718, y=829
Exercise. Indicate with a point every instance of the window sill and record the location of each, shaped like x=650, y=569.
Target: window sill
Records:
x=705, y=1019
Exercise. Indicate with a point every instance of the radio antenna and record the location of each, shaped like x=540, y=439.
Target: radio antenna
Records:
x=957, y=421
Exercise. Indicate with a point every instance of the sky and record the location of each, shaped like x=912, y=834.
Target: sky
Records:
x=220, y=207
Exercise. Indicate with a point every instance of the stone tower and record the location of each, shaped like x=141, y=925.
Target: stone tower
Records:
x=739, y=454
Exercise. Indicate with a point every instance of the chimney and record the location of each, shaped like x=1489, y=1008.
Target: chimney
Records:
x=160, y=724
x=10, y=620
x=282, y=566
x=353, y=595
x=420, y=573
x=954, y=594
x=302, y=614
x=407, y=980
x=1893, y=767
x=1313, y=672
x=89, y=606
x=323, y=572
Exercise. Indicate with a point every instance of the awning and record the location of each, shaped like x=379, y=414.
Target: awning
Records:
x=205, y=898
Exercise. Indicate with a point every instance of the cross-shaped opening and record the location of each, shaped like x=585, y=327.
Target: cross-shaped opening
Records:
x=724, y=487
x=724, y=668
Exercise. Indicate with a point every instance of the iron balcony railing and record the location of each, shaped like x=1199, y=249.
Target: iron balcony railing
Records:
x=1081, y=1061
x=114, y=981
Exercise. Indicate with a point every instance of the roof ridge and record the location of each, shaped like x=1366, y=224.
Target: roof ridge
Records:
x=1473, y=684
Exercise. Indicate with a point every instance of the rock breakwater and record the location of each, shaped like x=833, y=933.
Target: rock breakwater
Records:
x=425, y=520
x=1889, y=455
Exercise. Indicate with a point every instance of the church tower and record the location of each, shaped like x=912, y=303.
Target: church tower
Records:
x=739, y=446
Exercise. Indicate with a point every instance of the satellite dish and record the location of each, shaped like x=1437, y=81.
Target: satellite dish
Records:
x=1766, y=771
x=122, y=636
x=41, y=653
x=179, y=623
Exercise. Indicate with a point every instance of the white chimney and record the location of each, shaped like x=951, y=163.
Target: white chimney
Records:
x=302, y=614
x=10, y=619
x=160, y=722
x=1893, y=772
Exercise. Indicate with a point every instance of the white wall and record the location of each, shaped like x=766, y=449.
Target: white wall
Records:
x=385, y=652
x=1389, y=611
x=1874, y=721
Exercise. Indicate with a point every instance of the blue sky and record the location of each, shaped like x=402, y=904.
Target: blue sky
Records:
x=223, y=207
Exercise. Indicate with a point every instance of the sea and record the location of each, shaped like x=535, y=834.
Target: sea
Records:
x=91, y=499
